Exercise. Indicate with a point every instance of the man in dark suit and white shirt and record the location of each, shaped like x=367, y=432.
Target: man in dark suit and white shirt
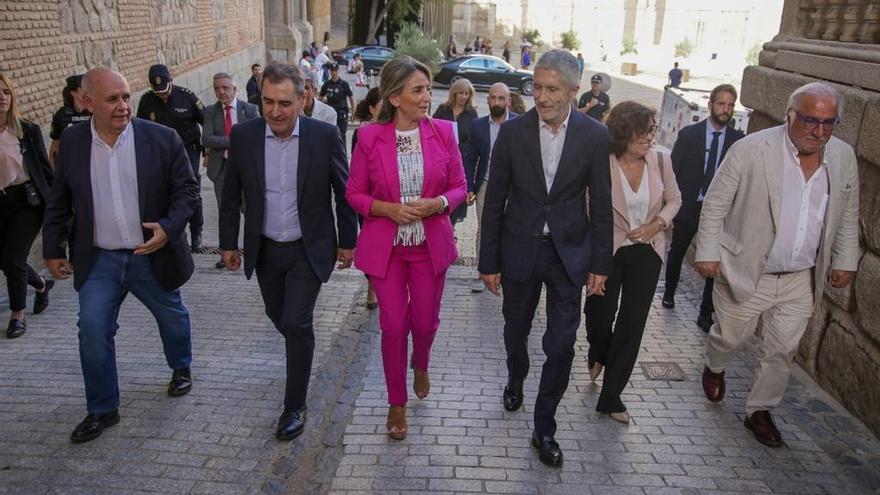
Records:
x=484, y=132
x=696, y=155
x=287, y=165
x=129, y=188
x=536, y=231
x=219, y=119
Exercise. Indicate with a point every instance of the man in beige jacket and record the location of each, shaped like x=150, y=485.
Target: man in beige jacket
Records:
x=783, y=210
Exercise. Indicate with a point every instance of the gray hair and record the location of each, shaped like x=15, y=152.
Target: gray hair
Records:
x=277, y=72
x=563, y=62
x=225, y=75
x=814, y=89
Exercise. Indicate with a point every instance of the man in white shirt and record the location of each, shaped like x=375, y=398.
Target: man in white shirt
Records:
x=770, y=231
x=315, y=108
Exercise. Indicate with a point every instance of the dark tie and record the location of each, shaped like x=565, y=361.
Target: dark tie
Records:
x=711, y=162
x=227, y=127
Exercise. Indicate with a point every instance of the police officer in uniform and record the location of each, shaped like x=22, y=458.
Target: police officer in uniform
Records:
x=595, y=102
x=180, y=109
x=73, y=112
x=337, y=93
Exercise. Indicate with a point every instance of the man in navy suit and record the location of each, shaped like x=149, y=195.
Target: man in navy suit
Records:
x=698, y=152
x=536, y=231
x=286, y=165
x=484, y=132
x=130, y=190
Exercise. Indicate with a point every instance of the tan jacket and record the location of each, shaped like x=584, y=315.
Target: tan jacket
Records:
x=741, y=211
x=665, y=200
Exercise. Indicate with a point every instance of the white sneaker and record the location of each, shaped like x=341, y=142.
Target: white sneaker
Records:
x=478, y=286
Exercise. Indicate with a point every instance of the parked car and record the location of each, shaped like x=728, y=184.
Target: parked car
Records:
x=484, y=71
x=373, y=57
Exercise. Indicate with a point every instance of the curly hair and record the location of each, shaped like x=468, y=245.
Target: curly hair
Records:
x=626, y=121
x=362, y=110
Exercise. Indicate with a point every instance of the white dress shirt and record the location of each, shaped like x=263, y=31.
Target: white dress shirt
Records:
x=709, y=131
x=494, y=127
x=801, y=215
x=551, y=150
x=113, y=174
x=281, y=221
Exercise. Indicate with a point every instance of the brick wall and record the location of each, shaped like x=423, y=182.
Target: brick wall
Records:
x=41, y=43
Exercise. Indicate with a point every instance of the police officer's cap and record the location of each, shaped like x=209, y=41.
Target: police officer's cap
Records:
x=74, y=82
x=160, y=78
x=334, y=66
x=596, y=79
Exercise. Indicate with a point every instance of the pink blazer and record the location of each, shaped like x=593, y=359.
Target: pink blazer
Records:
x=665, y=200
x=373, y=176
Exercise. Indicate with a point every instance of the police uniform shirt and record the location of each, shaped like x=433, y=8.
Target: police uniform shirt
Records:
x=597, y=111
x=183, y=113
x=337, y=93
x=66, y=117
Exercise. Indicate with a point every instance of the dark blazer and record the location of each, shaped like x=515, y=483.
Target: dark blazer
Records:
x=167, y=191
x=34, y=158
x=214, y=132
x=517, y=201
x=322, y=166
x=476, y=154
x=689, y=158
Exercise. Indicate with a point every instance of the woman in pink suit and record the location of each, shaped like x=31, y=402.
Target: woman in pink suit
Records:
x=406, y=176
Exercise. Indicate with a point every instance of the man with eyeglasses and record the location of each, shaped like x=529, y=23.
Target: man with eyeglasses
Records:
x=782, y=212
x=696, y=155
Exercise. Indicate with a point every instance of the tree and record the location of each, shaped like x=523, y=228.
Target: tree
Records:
x=533, y=36
x=570, y=40
x=684, y=48
x=752, y=55
x=629, y=46
x=412, y=41
x=399, y=9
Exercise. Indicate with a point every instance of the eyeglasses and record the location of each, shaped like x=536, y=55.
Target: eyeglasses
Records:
x=651, y=131
x=812, y=123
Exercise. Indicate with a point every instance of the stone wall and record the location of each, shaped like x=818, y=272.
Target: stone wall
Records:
x=836, y=41
x=42, y=42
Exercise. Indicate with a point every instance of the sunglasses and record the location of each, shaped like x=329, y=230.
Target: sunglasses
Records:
x=812, y=123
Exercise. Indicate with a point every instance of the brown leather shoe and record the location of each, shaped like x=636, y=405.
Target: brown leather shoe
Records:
x=396, y=423
x=421, y=383
x=713, y=385
x=761, y=424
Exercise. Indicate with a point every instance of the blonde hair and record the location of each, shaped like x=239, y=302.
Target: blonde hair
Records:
x=392, y=80
x=461, y=85
x=13, y=118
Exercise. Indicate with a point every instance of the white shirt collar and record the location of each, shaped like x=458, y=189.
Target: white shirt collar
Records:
x=562, y=127
x=119, y=140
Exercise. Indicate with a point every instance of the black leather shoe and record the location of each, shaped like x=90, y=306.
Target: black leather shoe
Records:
x=704, y=321
x=181, y=382
x=196, y=245
x=16, y=329
x=761, y=424
x=548, y=450
x=41, y=300
x=92, y=427
x=290, y=424
x=513, y=395
x=668, y=301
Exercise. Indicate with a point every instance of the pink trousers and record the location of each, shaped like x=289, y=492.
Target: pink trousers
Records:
x=409, y=301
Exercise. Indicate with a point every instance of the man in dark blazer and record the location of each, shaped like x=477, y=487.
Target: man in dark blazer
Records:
x=286, y=165
x=219, y=119
x=484, y=132
x=696, y=155
x=537, y=231
x=130, y=190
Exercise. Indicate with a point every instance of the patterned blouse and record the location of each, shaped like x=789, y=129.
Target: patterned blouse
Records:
x=410, y=168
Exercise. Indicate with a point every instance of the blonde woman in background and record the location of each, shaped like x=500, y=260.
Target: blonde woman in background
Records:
x=459, y=108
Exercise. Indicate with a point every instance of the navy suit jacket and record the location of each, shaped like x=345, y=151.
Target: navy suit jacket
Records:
x=322, y=166
x=476, y=155
x=167, y=192
x=688, y=160
x=518, y=204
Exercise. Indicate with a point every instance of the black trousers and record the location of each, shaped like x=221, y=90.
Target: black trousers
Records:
x=633, y=281
x=683, y=232
x=563, y=318
x=197, y=220
x=290, y=288
x=342, y=124
x=19, y=225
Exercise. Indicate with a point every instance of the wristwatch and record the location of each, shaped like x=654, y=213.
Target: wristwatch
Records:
x=445, y=207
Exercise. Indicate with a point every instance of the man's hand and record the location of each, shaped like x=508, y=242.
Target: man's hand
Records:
x=159, y=239
x=709, y=269
x=492, y=281
x=841, y=278
x=402, y=214
x=231, y=259
x=426, y=207
x=344, y=257
x=471, y=197
x=60, y=268
x=596, y=284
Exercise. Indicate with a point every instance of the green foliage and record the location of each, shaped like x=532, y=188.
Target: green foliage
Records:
x=684, y=48
x=402, y=9
x=629, y=46
x=752, y=55
x=412, y=41
x=533, y=36
x=570, y=40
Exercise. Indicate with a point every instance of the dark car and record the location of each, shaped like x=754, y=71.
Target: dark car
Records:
x=373, y=57
x=484, y=71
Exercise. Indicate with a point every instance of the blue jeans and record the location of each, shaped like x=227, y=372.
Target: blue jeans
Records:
x=113, y=275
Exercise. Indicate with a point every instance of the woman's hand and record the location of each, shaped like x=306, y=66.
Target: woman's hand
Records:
x=644, y=232
x=402, y=214
x=426, y=207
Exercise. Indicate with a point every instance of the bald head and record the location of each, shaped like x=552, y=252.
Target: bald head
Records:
x=108, y=97
x=499, y=100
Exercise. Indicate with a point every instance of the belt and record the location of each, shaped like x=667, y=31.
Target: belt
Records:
x=779, y=274
x=282, y=244
x=12, y=189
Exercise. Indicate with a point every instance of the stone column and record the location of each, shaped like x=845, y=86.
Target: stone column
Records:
x=288, y=31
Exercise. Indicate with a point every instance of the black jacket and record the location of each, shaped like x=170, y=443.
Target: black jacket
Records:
x=35, y=160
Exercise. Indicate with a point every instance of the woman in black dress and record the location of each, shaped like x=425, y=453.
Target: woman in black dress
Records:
x=459, y=108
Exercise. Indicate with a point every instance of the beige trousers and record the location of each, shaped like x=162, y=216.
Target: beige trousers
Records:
x=784, y=303
x=481, y=197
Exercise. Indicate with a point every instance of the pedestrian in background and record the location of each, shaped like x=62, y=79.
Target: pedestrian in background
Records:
x=505, y=53
x=459, y=108
x=253, y=85
x=644, y=199
x=517, y=103
x=25, y=179
x=71, y=113
x=675, y=76
x=402, y=219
